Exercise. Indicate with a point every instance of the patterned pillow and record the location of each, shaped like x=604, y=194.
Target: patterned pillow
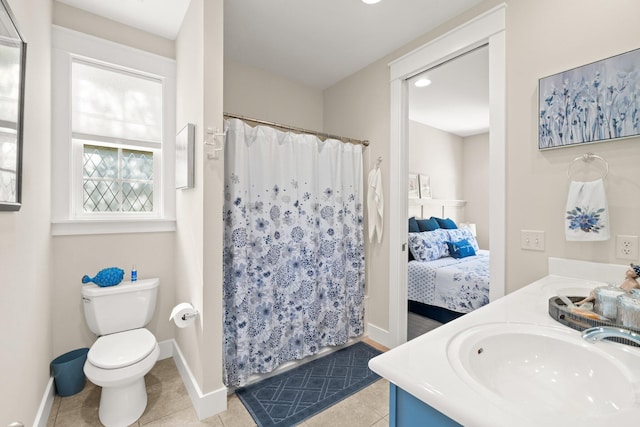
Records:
x=429, y=245
x=464, y=233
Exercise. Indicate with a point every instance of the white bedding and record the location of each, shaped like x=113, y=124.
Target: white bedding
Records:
x=460, y=285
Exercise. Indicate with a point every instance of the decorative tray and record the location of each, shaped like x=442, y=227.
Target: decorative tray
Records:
x=559, y=311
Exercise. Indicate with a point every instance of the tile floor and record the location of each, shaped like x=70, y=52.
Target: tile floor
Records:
x=169, y=405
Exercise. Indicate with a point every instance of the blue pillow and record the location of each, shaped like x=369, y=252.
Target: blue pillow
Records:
x=413, y=225
x=461, y=249
x=446, y=223
x=428, y=224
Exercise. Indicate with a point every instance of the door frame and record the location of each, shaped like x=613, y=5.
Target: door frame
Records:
x=487, y=28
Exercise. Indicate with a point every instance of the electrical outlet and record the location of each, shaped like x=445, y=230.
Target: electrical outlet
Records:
x=532, y=240
x=627, y=247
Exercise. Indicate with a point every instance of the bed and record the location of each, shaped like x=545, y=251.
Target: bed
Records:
x=443, y=283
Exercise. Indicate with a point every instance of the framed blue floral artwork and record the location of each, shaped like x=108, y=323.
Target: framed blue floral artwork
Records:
x=592, y=103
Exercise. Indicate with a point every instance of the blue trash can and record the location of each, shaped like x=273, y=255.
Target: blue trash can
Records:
x=68, y=373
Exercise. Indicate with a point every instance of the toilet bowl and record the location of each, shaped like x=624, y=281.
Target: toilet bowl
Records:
x=125, y=351
x=118, y=363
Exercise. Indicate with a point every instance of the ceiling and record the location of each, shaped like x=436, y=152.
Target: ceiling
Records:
x=457, y=100
x=315, y=42
x=159, y=17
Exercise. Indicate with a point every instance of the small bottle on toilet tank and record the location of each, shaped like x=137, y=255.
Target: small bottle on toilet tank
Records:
x=134, y=273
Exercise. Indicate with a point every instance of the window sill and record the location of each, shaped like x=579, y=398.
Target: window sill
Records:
x=80, y=227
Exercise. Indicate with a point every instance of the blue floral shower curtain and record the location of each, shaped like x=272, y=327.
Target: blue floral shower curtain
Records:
x=293, y=247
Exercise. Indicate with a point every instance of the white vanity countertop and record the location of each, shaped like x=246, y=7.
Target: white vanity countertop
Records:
x=422, y=368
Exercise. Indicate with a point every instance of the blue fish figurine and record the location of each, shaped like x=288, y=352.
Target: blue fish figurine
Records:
x=106, y=277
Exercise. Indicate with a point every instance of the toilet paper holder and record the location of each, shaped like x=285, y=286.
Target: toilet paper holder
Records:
x=186, y=316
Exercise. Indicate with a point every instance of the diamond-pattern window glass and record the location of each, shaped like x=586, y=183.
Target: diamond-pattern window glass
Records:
x=100, y=162
x=137, y=165
x=117, y=180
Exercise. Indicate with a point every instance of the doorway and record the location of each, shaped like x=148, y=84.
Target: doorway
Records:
x=486, y=29
x=448, y=149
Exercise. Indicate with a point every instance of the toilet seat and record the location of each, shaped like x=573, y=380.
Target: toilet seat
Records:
x=121, y=349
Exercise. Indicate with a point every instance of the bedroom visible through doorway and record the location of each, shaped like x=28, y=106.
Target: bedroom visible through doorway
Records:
x=448, y=152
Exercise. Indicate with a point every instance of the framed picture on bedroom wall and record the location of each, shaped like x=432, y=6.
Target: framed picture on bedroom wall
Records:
x=425, y=186
x=414, y=186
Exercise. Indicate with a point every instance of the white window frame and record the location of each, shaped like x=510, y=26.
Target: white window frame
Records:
x=68, y=217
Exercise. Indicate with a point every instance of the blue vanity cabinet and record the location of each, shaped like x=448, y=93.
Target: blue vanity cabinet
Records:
x=405, y=410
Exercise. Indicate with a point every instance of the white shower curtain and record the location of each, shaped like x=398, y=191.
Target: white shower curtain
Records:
x=293, y=249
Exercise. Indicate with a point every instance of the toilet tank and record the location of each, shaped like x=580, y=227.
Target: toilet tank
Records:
x=128, y=305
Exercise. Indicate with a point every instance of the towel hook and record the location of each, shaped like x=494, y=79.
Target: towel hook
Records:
x=211, y=140
x=589, y=157
x=378, y=162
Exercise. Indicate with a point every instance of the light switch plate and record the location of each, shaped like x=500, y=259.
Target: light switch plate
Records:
x=532, y=240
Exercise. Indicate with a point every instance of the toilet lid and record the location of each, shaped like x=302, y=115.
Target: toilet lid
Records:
x=121, y=349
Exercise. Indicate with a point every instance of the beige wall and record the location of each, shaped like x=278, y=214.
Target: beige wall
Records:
x=536, y=181
x=458, y=169
x=199, y=51
x=75, y=256
x=88, y=23
x=576, y=33
x=476, y=185
x=259, y=94
x=25, y=254
x=189, y=202
x=358, y=106
x=437, y=154
x=213, y=199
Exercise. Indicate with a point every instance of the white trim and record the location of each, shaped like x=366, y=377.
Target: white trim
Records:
x=488, y=28
x=80, y=227
x=379, y=335
x=498, y=165
x=44, y=411
x=65, y=45
x=206, y=405
x=587, y=270
x=166, y=349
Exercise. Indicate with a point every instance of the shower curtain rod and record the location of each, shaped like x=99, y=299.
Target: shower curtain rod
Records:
x=300, y=130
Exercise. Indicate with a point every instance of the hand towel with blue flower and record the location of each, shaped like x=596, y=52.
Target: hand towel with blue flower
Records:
x=587, y=212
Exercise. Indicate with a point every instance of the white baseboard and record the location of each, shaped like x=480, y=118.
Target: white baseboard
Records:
x=379, y=335
x=166, y=349
x=206, y=405
x=42, y=417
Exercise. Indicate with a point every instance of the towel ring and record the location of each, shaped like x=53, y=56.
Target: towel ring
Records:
x=589, y=157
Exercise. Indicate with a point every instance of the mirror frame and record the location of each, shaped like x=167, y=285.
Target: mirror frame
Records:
x=9, y=205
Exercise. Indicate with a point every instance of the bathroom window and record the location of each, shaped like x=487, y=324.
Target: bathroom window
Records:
x=116, y=125
x=113, y=137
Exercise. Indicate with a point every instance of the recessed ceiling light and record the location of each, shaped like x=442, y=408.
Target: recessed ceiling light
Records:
x=423, y=82
x=371, y=1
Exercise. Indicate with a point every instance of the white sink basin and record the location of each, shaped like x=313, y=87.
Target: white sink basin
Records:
x=545, y=370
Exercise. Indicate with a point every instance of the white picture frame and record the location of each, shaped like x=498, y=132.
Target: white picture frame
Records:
x=425, y=186
x=184, y=156
x=414, y=186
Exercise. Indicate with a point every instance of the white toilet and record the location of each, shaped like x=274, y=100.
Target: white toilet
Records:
x=125, y=351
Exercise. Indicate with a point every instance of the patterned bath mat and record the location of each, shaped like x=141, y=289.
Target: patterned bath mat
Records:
x=293, y=396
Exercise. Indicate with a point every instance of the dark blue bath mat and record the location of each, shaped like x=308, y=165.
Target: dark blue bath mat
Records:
x=293, y=396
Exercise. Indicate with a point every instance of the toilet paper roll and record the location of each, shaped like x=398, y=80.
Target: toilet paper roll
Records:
x=183, y=314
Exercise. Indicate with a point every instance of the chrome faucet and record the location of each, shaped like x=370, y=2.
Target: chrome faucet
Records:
x=600, y=332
